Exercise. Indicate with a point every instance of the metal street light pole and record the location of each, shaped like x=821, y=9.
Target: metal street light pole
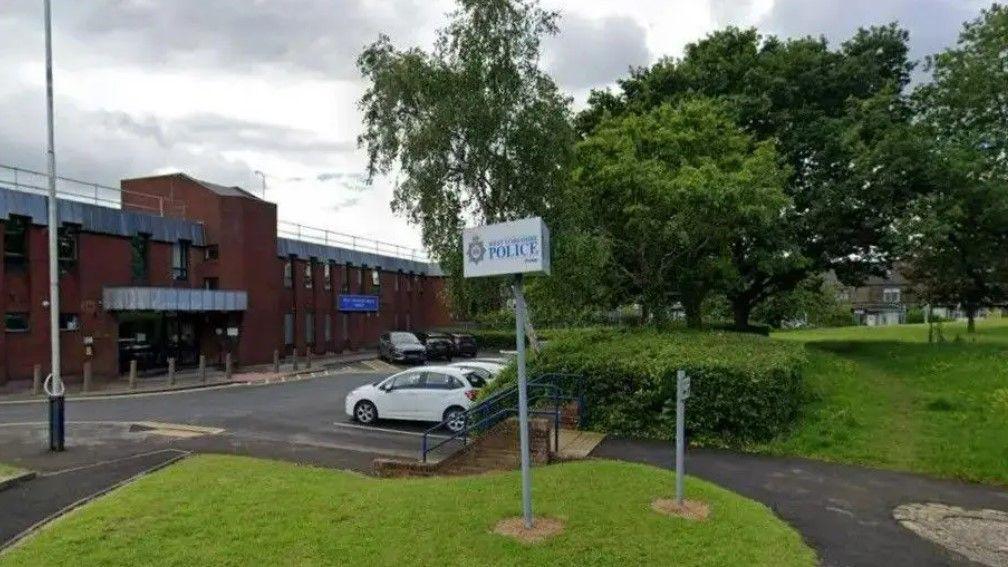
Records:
x=262, y=176
x=54, y=385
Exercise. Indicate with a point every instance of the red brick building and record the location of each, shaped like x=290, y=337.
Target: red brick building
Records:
x=183, y=268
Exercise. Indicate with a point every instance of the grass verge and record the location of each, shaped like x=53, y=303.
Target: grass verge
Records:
x=213, y=510
x=884, y=397
x=7, y=471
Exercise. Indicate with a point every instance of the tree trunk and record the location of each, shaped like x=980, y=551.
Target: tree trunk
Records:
x=741, y=310
x=694, y=314
x=971, y=311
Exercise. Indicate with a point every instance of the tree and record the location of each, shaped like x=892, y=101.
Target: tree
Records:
x=841, y=124
x=477, y=131
x=664, y=190
x=957, y=235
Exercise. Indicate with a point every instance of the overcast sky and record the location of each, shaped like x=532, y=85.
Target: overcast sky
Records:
x=221, y=88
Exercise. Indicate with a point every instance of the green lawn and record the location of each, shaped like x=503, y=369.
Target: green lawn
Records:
x=218, y=510
x=884, y=397
x=8, y=471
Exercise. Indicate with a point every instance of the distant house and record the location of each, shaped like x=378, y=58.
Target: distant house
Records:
x=879, y=301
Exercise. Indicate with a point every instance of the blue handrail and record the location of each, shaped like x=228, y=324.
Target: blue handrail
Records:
x=490, y=412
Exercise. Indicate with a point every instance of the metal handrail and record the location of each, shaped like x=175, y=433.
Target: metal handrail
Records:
x=87, y=192
x=326, y=237
x=476, y=417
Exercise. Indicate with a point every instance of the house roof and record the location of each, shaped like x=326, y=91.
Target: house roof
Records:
x=224, y=190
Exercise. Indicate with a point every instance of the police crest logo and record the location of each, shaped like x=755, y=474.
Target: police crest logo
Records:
x=476, y=250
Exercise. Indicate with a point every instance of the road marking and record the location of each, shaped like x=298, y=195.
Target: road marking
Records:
x=102, y=397
x=386, y=430
x=113, y=461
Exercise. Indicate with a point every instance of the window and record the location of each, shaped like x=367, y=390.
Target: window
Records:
x=420, y=283
x=346, y=278
x=408, y=381
x=438, y=381
x=16, y=322
x=891, y=295
x=309, y=274
x=211, y=252
x=376, y=277
x=16, y=240
x=360, y=278
x=327, y=276
x=288, y=329
x=328, y=328
x=140, y=247
x=211, y=283
x=180, y=260
x=66, y=245
x=409, y=281
x=69, y=322
x=309, y=328
x=288, y=273
x=398, y=277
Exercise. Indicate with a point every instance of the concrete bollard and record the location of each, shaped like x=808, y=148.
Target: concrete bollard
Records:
x=133, y=374
x=171, y=372
x=227, y=366
x=308, y=357
x=294, y=362
x=87, y=376
x=37, y=380
x=276, y=361
x=202, y=368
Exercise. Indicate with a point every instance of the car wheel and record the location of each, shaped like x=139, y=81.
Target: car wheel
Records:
x=365, y=412
x=455, y=419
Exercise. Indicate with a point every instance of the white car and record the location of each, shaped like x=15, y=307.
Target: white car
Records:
x=486, y=370
x=427, y=393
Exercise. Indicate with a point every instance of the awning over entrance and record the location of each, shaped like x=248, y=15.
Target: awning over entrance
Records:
x=173, y=299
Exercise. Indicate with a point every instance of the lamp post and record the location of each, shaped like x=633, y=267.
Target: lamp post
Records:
x=261, y=176
x=54, y=383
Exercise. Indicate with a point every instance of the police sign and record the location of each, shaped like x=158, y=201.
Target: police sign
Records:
x=516, y=247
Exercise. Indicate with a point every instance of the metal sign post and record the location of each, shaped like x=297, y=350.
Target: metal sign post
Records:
x=682, y=392
x=523, y=428
x=512, y=248
x=54, y=384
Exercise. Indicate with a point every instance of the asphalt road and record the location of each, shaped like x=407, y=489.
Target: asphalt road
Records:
x=308, y=412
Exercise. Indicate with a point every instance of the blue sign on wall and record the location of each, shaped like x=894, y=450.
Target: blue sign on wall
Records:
x=358, y=302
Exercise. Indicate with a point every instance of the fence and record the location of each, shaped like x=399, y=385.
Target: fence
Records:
x=29, y=181
x=327, y=237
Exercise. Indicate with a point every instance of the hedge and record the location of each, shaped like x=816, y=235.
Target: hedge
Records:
x=745, y=388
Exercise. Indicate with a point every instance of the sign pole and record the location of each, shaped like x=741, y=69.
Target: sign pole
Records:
x=682, y=390
x=523, y=426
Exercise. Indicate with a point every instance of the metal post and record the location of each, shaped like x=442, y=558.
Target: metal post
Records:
x=228, y=367
x=56, y=390
x=171, y=372
x=276, y=361
x=36, y=379
x=87, y=376
x=202, y=368
x=680, y=437
x=523, y=425
x=133, y=374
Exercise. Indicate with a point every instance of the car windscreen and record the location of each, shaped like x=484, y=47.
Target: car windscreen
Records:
x=437, y=336
x=404, y=338
x=475, y=379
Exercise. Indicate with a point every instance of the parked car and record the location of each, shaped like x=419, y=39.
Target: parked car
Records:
x=465, y=345
x=487, y=370
x=428, y=393
x=401, y=346
x=439, y=345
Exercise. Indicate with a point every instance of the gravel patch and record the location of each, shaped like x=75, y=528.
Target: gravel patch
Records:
x=979, y=535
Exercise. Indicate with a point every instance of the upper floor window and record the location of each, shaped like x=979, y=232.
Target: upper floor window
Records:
x=409, y=281
x=398, y=277
x=16, y=239
x=309, y=274
x=360, y=278
x=346, y=278
x=288, y=273
x=180, y=260
x=211, y=252
x=69, y=322
x=140, y=256
x=66, y=245
x=211, y=283
x=327, y=276
x=891, y=295
x=16, y=322
x=376, y=277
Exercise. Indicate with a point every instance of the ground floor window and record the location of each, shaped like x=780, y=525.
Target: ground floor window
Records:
x=16, y=322
x=288, y=329
x=69, y=322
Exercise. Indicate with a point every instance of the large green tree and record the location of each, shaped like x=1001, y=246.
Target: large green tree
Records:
x=665, y=191
x=475, y=129
x=841, y=124
x=957, y=235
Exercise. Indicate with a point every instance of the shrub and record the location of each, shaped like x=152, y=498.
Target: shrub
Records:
x=745, y=387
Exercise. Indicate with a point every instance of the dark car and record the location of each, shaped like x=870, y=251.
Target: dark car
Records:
x=464, y=345
x=401, y=346
x=439, y=345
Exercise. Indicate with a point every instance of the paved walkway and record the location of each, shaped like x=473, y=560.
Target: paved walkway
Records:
x=844, y=512
x=21, y=390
